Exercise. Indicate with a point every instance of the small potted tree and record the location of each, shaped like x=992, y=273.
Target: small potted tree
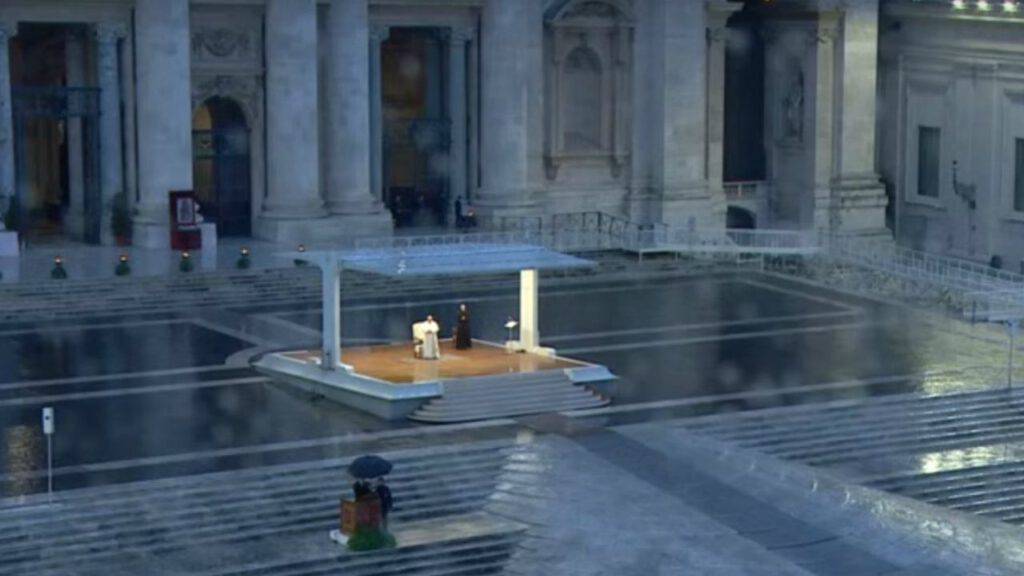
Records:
x=12, y=216
x=120, y=220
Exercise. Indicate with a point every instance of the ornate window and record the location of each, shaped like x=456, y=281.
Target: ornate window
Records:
x=588, y=46
x=583, y=118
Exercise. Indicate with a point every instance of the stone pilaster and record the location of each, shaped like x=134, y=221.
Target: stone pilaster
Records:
x=824, y=103
x=74, y=62
x=503, y=113
x=7, y=191
x=718, y=15
x=164, y=113
x=457, y=112
x=293, y=158
x=378, y=35
x=858, y=197
x=683, y=171
x=111, y=162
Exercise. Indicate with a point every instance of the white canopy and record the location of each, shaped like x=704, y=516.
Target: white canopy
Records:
x=455, y=259
x=457, y=255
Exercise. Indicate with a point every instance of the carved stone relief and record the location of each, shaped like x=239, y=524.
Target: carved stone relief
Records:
x=246, y=90
x=588, y=44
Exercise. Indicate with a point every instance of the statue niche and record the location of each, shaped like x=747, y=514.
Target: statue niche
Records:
x=588, y=61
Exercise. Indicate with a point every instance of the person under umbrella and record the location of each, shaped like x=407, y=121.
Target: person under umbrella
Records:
x=387, y=501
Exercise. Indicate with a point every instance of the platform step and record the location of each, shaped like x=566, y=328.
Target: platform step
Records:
x=497, y=397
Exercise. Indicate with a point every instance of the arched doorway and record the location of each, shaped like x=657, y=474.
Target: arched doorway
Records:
x=220, y=166
x=741, y=218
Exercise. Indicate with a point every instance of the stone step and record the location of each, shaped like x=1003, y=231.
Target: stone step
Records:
x=405, y=463
x=479, y=550
x=550, y=398
x=246, y=493
x=528, y=391
x=501, y=413
x=413, y=501
x=841, y=410
x=874, y=428
x=928, y=439
x=938, y=480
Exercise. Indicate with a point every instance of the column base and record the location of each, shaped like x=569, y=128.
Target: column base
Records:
x=692, y=211
x=858, y=207
x=9, y=244
x=504, y=203
x=337, y=229
x=151, y=235
x=642, y=206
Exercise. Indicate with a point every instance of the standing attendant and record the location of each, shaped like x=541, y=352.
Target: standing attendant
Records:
x=463, y=334
x=387, y=501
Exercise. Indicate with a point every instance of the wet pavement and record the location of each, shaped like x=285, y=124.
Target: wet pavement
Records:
x=140, y=397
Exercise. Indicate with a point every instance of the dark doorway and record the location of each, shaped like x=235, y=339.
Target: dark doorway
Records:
x=741, y=218
x=220, y=167
x=56, y=135
x=416, y=129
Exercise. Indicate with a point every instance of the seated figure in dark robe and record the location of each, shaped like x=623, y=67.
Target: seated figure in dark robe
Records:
x=463, y=334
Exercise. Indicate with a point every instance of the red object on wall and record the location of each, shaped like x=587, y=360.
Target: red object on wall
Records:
x=185, y=233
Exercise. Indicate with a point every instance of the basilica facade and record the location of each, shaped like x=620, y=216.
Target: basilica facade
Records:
x=314, y=120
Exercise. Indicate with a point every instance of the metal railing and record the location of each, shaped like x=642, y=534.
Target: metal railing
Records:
x=920, y=266
x=744, y=189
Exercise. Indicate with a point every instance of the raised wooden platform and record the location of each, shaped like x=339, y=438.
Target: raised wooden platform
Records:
x=396, y=364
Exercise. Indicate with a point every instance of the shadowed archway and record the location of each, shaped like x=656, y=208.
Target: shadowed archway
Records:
x=220, y=149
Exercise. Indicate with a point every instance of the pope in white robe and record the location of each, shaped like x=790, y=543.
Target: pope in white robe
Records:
x=426, y=332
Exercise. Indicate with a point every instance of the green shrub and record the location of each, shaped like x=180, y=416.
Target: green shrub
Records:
x=365, y=540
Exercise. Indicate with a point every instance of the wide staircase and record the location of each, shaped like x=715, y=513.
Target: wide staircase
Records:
x=273, y=520
x=74, y=298
x=507, y=395
x=958, y=451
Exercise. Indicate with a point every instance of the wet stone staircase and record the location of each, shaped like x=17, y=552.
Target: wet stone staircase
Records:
x=959, y=451
x=996, y=490
x=272, y=520
x=507, y=395
x=73, y=298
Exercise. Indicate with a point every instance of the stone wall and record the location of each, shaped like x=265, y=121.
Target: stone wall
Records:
x=965, y=77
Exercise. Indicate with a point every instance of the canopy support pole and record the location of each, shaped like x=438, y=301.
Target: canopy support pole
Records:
x=529, y=334
x=331, y=353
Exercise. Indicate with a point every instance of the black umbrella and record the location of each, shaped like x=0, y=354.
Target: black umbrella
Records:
x=369, y=466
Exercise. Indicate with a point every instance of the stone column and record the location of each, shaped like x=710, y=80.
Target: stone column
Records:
x=111, y=164
x=718, y=16
x=293, y=157
x=824, y=104
x=164, y=112
x=74, y=60
x=128, y=119
x=348, y=109
x=684, y=185
x=7, y=191
x=378, y=35
x=857, y=194
x=457, y=113
x=504, y=108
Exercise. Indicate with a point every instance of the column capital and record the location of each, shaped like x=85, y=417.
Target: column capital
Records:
x=379, y=32
x=109, y=32
x=719, y=12
x=461, y=34
x=828, y=26
x=8, y=29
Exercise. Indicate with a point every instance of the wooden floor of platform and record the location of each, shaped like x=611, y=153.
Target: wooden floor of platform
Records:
x=395, y=362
